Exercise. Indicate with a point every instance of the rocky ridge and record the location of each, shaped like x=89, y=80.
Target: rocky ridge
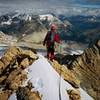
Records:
x=87, y=69
x=12, y=74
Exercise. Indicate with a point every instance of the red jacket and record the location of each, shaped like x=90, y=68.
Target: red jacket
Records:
x=48, y=39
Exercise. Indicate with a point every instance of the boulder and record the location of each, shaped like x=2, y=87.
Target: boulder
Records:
x=8, y=57
x=15, y=57
x=30, y=54
x=74, y=95
x=4, y=95
x=17, y=82
x=25, y=93
x=15, y=79
x=24, y=63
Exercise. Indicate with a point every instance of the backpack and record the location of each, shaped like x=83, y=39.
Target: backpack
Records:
x=50, y=39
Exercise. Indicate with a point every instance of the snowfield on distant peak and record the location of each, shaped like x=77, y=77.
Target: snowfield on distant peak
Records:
x=49, y=16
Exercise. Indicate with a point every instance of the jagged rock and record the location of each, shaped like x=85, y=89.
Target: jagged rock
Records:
x=12, y=64
x=24, y=63
x=26, y=58
x=2, y=78
x=87, y=69
x=74, y=94
x=8, y=57
x=13, y=54
x=24, y=93
x=30, y=54
x=66, y=74
x=15, y=79
x=29, y=49
x=4, y=95
x=13, y=74
x=1, y=66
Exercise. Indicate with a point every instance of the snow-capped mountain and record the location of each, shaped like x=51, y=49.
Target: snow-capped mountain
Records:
x=70, y=27
x=48, y=19
x=48, y=16
x=17, y=24
x=10, y=18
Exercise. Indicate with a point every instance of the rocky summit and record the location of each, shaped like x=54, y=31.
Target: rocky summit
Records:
x=26, y=75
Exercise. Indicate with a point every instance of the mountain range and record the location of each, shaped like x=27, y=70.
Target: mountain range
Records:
x=70, y=27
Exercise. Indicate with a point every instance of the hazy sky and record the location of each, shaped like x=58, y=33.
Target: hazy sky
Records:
x=84, y=2
x=9, y=5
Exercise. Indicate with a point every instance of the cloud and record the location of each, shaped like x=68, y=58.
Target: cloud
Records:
x=54, y=1
x=19, y=1
x=93, y=1
x=50, y=3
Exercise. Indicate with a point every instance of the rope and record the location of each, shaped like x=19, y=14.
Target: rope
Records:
x=60, y=85
x=60, y=76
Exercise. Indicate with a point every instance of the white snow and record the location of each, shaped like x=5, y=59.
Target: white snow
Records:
x=46, y=80
x=13, y=97
x=49, y=16
x=6, y=23
x=76, y=52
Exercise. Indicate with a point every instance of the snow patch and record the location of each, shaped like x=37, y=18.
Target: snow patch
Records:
x=76, y=52
x=48, y=16
x=13, y=97
x=6, y=23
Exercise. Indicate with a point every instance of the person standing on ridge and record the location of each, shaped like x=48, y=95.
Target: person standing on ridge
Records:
x=50, y=39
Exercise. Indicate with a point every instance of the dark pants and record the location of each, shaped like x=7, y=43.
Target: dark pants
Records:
x=50, y=51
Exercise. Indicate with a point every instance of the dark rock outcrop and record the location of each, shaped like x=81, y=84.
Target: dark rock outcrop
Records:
x=25, y=93
x=65, y=59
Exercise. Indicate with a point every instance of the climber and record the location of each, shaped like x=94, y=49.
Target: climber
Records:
x=51, y=38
